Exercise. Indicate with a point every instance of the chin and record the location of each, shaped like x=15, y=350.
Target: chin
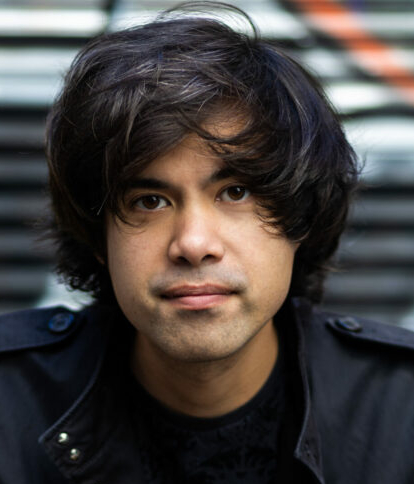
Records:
x=202, y=355
x=200, y=348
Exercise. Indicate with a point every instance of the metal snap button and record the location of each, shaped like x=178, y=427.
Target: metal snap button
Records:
x=60, y=322
x=348, y=324
x=74, y=454
x=63, y=438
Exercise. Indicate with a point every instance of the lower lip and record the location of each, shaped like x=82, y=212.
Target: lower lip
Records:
x=201, y=301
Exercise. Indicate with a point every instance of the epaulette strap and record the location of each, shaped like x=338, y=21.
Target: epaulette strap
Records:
x=36, y=327
x=362, y=329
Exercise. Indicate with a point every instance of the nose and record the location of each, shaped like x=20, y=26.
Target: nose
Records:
x=196, y=238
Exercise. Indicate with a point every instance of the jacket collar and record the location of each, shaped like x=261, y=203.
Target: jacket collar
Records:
x=308, y=448
x=87, y=443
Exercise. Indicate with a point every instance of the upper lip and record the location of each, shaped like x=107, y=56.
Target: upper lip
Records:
x=193, y=290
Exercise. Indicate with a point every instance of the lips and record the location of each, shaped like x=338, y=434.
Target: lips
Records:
x=185, y=291
x=197, y=297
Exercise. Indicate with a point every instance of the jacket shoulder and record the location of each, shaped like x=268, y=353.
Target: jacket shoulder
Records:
x=36, y=328
x=360, y=378
x=356, y=329
x=317, y=323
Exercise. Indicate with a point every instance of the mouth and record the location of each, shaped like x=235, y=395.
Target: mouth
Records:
x=197, y=297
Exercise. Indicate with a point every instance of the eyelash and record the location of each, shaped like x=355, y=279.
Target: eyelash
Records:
x=135, y=203
x=246, y=193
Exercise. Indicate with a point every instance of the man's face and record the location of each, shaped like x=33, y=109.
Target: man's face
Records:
x=197, y=273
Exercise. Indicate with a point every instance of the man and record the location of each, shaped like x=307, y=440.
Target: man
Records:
x=200, y=183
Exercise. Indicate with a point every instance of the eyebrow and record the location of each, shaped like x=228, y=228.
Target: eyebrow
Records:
x=147, y=182
x=222, y=174
x=158, y=184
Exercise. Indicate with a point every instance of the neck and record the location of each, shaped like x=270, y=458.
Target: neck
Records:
x=207, y=389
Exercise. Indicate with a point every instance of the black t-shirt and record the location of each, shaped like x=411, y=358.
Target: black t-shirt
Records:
x=239, y=447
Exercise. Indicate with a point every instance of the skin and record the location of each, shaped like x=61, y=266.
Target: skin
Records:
x=200, y=277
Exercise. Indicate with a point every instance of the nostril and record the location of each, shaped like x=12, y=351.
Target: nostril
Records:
x=181, y=259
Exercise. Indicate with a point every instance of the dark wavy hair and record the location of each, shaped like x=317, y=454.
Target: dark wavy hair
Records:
x=132, y=95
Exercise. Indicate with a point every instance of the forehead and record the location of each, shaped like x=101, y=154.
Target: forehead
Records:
x=192, y=160
x=191, y=152
x=184, y=168
x=194, y=150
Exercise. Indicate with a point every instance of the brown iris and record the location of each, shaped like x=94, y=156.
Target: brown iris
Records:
x=236, y=192
x=150, y=202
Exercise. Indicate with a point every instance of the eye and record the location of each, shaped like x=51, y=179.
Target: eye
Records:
x=234, y=193
x=151, y=202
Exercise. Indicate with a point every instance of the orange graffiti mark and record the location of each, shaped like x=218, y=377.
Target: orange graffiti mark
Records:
x=370, y=53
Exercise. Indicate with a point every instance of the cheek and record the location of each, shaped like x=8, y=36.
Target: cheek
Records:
x=121, y=258
x=132, y=257
x=271, y=265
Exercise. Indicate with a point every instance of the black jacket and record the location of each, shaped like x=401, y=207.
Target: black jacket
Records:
x=61, y=399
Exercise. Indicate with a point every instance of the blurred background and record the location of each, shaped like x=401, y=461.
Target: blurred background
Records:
x=361, y=50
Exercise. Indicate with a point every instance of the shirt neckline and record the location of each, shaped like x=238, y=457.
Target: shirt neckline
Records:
x=141, y=395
